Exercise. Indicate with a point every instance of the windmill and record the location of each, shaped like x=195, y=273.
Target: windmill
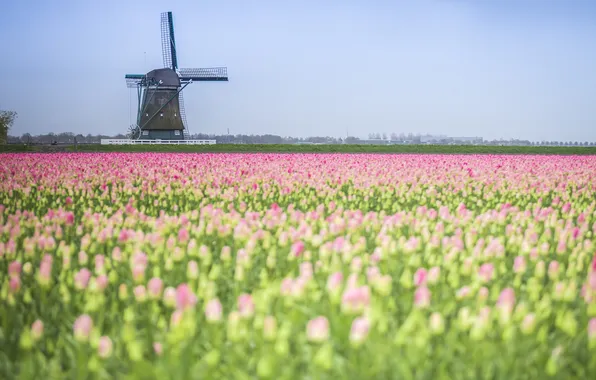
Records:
x=161, y=113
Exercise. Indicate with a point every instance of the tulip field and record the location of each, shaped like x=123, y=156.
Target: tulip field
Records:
x=297, y=266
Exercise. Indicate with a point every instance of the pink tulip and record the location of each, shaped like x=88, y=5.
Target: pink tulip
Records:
x=185, y=298
x=214, y=311
x=37, y=330
x=117, y=254
x=82, y=278
x=154, y=287
x=519, y=264
x=334, y=281
x=485, y=272
x=138, y=273
x=140, y=293
x=286, y=287
x=506, y=299
x=463, y=292
x=422, y=297
x=176, y=317
x=102, y=282
x=355, y=299
x=561, y=246
x=592, y=329
x=359, y=330
x=45, y=272
x=192, y=270
x=372, y=273
x=140, y=259
x=420, y=277
x=14, y=269
x=82, y=327
x=317, y=329
x=157, y=348
x=104, y=347
x=433, y=275
x=483, y=293
x=99, y=263
x=553, y=269
x=169, y=296
x=83, y=257
x=246, y=307
x=297, y=248
x=183, y=235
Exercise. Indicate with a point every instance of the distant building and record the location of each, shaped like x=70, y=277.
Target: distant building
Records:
x=468, y=139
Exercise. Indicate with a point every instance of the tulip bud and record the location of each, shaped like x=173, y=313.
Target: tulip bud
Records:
x=14, y=284
x=185, y=298
x=519, y=264
x=422, y=297
x=246, y=307
x=14, y=269
x=157, y=348
x=122, y=292
x=463, y=292
x=359, y=330
x=485, y=272
x=102, y=282
x=540, y=269
x=592, y=332
x=213, y=311
x=269, y=328
x=437, y=324
x=433, y=275
x=324, y=357
x=155, y=286
x=82, y=278
x=265, y=367
x=140, y=293
x=169, y=296
x=176, y=318
x=420, y=277
x=36, y=330
x=82, y=328
x=192, y=270
x=317, y=329
x=553, y=269
x=104, y=347
x=334, y=282
x=483, y=294
x=528, y=324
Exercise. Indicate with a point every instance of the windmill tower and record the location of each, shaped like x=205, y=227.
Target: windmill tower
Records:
x=161, y=113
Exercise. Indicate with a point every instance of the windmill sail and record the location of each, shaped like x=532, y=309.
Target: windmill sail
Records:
x=168, y=42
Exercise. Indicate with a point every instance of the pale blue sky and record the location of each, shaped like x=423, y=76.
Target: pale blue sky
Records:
x=494, y=68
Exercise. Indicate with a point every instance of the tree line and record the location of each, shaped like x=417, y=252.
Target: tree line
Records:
x=72, y=138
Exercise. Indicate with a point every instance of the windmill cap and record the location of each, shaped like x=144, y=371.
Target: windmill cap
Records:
x=168, y=77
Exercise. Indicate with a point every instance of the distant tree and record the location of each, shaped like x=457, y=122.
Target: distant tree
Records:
x=384, y=136
x=7, y=118
x=394, y=136
x=26, y=138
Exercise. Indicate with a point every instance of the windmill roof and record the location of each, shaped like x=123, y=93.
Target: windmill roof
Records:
x=168, y=77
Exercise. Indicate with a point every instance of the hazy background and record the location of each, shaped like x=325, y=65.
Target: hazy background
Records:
x=497, y=69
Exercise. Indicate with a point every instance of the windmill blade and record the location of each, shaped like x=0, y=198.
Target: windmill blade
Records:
x=182, y=112
x=132, y=83
x=168, y=42
x=133, y=80
x=204, y=74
